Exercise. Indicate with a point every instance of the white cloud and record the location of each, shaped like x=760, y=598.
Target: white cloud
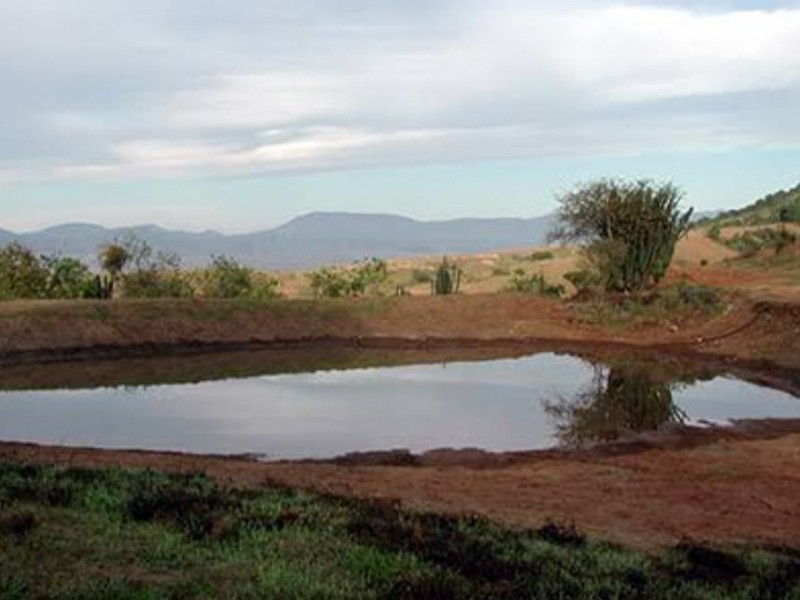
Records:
x=452, y=81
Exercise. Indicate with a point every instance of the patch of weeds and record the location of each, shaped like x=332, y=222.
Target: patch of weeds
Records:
x=419, y=276
x=18, y=525
x=193, y=504
x=99, y=312
x=432, y=585
x=126, y=589
x=535, y=283
x=563, y=535
x=434, y=538
x=501, y=272
x=708, y=564
x=541, y=256
x=12, y=588
x=652, y=307
x=46, y=489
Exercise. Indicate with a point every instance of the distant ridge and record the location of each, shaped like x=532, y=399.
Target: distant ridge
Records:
x=309, y=240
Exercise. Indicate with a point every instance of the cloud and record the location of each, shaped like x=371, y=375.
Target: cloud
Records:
x=115, y=89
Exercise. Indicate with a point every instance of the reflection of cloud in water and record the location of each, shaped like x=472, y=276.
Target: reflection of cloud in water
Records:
x=494, y=405
x=541, y=369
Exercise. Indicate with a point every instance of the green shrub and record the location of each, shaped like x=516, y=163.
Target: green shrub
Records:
x=628, y=229
x=68, y=277
x=22, y=274
x=583, y=279
x=501, y=271
x=541, y=255
x=364, y=277
x=421, y=276
x=535, y=283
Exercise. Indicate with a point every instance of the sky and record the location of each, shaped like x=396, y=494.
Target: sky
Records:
x=236, y=116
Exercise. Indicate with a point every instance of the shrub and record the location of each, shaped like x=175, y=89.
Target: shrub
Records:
x=364, y=277
x=421, y=276
x=583, y=279
x=68, y=277
x=22, y=273
x=227, y=278
x=628, y=229
x=536, y=283
x=541, y=255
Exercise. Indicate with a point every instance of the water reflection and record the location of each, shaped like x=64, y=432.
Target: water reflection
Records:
x=489, y=404
x=619, y=401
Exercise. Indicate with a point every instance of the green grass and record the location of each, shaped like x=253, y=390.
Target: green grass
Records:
x=146, y=535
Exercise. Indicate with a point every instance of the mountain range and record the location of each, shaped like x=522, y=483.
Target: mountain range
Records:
x=307, y=241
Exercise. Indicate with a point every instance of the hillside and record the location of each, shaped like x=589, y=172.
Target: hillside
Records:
x=307, y=241
x=780, y=206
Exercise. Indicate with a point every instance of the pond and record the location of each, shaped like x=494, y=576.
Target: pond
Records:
x=520, y=403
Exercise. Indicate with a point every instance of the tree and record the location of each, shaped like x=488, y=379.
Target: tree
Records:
x=143, y=272
x=628, y=230
x=619, y=401
x=22, y=273
x=113, y=258
x=229, y=278
x=68, y=277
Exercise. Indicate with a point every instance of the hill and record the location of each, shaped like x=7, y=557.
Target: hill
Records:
x=780, y=206
x=307, y=241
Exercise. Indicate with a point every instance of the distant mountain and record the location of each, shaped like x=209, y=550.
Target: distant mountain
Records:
x=307, y=241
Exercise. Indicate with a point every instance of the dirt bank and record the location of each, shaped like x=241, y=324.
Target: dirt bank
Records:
x=757, y=333
x=733, y=486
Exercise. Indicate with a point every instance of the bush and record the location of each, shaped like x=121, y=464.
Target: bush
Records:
x=68, y=277
x=536, y=283
x=227, y=278
x=583, y=280
x=628, y=229
x=421, y=276
x=22, y=274
x=750, y=243
x=362, y=278
x=541, y=255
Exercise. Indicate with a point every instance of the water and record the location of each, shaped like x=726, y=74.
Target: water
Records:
x=510, y=404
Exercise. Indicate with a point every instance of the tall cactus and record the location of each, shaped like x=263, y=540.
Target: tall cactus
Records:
x=447, y=280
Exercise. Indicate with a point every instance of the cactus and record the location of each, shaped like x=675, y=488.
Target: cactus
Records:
x=447, y=280
x=99, y=288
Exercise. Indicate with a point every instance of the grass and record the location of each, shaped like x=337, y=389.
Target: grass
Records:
x=145, y=535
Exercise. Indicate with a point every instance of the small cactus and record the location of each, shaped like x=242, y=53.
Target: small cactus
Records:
x=447, y=280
